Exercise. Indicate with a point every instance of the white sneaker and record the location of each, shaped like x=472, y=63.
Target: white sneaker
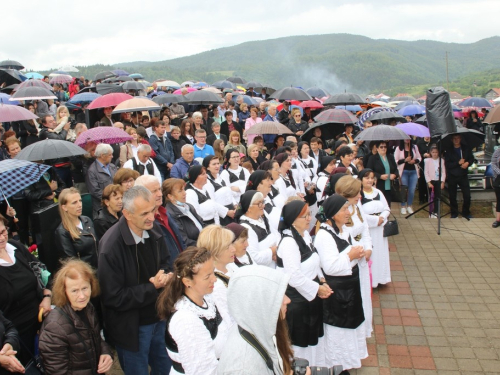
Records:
x=403, y=210
x=433, y=216
x=410, y=210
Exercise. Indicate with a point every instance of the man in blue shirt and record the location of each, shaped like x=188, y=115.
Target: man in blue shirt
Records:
x=201, y=149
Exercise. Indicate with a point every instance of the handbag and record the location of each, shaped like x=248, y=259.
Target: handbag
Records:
x=35, y=364
x=496, y=182
x=391, y=228
x=41, y=273
x=399, y=193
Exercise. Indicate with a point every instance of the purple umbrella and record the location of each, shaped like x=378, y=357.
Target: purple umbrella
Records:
x=412, y=128
x=102, y=134
x=10, y=113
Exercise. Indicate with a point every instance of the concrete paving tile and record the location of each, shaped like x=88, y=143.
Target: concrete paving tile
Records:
x=485, y=353
x=424, y=363
x=468, y=364
x=425, y=372
x=434, y=331
x=414, y=331
x=445, y=364
x=383, y=360
x=480, y=342
x=441, y=352
x=463, y=353
x=474, y=332
x=416, y=340
x=458, y=342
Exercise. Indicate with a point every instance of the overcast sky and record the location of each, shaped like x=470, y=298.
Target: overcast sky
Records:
x=51, y=34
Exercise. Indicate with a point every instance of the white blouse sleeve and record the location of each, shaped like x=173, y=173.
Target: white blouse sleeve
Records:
x=263, y=257
x=365, y=237
x=196, y=347
x=386, y=210
x=219, y=296
x=333, y=263
x=289, y=252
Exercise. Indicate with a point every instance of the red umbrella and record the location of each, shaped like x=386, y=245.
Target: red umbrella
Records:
x=466, y=111
x=292, y=102
x=10, y=113
x=313, y=104
x=336, y=115
x=109, y=100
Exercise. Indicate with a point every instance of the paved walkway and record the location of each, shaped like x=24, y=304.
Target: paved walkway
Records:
x=441, y=313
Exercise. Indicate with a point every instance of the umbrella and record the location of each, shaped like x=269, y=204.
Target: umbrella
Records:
x=136, y=76
x=412, y=128
x=120, y=72
x=10, y=113
x=153, y=94
x=493, y=117
x=381, y=133
x=117, y=79
x=412, y=110
x=402, y=98
x=11, y=64
x=4, y=99
x=11, y=76
x=269, y=90
x=350, y=108
x=246, y=99
x=168, y=84
x=104, y=75
x=268, y=127
x=313, y=104
x=58, y=73
x=203, y=97
x=10, y=88
x=134, y=85
x=387, y=116
x=109, y=100
x=33, y=75
x=224, y=85
x=405, y=104
x=186, y=83
x=475, y=102
x=290, y=93
x=329, y=130
x=50, y=149
x=85, y=97
x=61, y=79
x=69, y=68
x=33, y=93
x=317, y=92
x=252, y=84
x=169, y=98
x=109, y=88
x=365, y=116
x=102, y=134
x=279, y=107
x=470, y=137
x=379, y=102
x=215, y=90
x=344, y=99
x=88, y=89
x=136, y=104
x=34, y=83
x=189, y=89
x=15, y=175
x=235, y=79
x=336, y=115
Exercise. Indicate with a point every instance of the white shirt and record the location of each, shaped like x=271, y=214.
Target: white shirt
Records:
x=138, y=239
x=129, y=164
x=333, y=262
x=207, y=210
x=260, y=252
x=11, y=253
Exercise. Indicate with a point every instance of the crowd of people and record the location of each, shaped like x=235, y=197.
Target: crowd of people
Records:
x=201, y=232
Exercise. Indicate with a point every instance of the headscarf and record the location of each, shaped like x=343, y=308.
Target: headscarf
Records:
x=193, y=173
x=290, y=213
x=245, y=202
x=331, y=206
x=207, y=160
x=266, y=165
x=325, y=160
x=255, y=179
x=332, y=181
x=363, y=173
x=228, y=156
x=236, y=228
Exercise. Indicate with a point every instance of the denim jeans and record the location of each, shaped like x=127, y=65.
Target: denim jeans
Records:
x=152, y=352
x=409, y=179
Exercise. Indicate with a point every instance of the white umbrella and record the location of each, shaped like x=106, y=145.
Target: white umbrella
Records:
x=167, y=84
x=69, y=68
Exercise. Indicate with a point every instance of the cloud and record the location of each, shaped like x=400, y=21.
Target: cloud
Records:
x=68, y=33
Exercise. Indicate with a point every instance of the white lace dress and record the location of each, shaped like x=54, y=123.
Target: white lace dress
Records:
x=197, y=352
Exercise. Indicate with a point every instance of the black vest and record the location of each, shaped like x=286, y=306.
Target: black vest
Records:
x=202, y=198
x=305, y=251
x=365, y=200
x=216, y=185
x=140, y=168
x=261, y=232
x=233, y=177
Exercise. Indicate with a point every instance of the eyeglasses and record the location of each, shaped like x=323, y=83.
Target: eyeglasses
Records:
x=297, y=116
x=307, y=216
x=235, y=157
x=259, y=204
x=4, y=233
x=383, y=147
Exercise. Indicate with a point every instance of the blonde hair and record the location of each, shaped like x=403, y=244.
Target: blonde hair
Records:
x=59, y=109
x=67, y=223
x=295, y=110
x=215, y=239
x=243, y=106
x=348, y=186
x=251, y=148
x=234, y=133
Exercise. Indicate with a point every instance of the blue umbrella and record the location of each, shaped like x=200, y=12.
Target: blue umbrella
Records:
x=120, y=72
x=405, y=104
x=476, y=102
x=83, y=97
x=351, y=108
x=136, y=75
x=34, y=75
x=4, y=99
x=412, y=110
x=15, y=175
x=300, y=108
x=153, y=94
x=246, y=99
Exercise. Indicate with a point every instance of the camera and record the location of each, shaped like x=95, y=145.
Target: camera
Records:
x=299, y=367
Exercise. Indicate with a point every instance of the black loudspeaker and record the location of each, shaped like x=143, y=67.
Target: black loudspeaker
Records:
x=439, y=112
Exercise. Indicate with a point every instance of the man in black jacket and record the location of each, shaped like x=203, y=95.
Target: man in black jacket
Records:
x=133, y=266
x=457, y=160
x=48, y=123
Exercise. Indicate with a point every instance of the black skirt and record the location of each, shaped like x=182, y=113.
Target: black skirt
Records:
x=304, y=318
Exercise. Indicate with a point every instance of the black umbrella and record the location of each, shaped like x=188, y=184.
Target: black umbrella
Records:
x=386, y=116
x=317, y=92
x=329, y=130
x=237, y=80
x=252, y=84
x=88, y=89
x=403, y=98
x=11, y=64
x=269, y=90
x=33, y=93
x=381, y=133
x=108, y=88
x=10, y=88
x=224, y=85
x=470, y=137
x=49, y=149
x=202, y=97
x=345, y=98
x=169, y=98
x=406, y=104
x=290, y=93
x=118, y=79
x=10, y=76
x=104, y=75
x=133, y=85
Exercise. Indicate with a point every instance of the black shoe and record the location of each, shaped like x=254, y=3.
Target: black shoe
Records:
x=496, y=224
x=469, y=216
x=454, y=216
x=345, y=372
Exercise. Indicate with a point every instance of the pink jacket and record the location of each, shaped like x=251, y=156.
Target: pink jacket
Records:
x=400, y=154
x=248, y=124
x=430, y=173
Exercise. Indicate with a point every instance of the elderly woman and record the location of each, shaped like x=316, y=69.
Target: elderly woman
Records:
x=125, y=178
x=250, y=122
x=70, y=338
x=129, y=149
x=75, y=237
x=262, y=182
x=198, y=122
x=22, y=298
x=254, y=156
x=111, y=209
x=345, y=334
x=233, y=174
x=296, y=124
x=184, y=214
x=297, y=257
x=240, y=243
x=234, y=141
x=219, y=241
x=262, y=242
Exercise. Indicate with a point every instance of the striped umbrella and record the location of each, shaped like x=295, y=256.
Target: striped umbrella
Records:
x=364, y=117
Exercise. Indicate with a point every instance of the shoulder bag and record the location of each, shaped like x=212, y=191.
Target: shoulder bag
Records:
x=391, y=228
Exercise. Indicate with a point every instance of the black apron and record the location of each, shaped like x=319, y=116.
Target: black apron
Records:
x=344, y=308
x=261, y=232
x=304, y=318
